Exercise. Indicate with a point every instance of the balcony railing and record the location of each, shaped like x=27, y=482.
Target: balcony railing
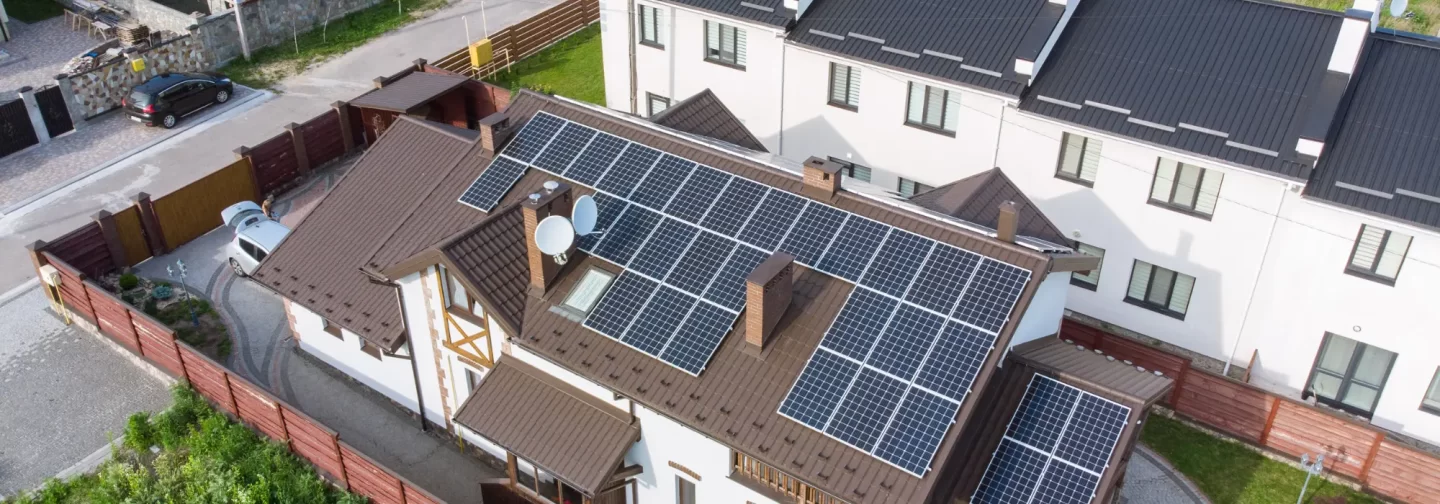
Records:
x=779, y=481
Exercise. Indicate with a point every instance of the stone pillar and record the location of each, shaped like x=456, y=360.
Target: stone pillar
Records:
x=347, y=136
x=302, y=160
x=243, y=152
x=153, y=234
x=67, y=91
x=27, y=94
x=106, y=221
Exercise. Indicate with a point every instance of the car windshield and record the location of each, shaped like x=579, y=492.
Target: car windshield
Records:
x=139, y=98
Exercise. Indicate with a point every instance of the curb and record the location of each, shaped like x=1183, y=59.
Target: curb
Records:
x=19, y=290
x=1179, y=479
x=92, y=461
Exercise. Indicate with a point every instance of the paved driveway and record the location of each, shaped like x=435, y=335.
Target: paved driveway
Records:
x=38, y=52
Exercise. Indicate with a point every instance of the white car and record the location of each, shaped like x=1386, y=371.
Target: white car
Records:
x=255, y=236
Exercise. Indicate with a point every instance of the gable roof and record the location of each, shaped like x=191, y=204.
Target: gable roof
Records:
x=1249, y=70
x=408, y=92
x=974, y=42
x=492, y=257
x=766, y=12
x=977, y=199
x=1382, y=158
x=705, y=115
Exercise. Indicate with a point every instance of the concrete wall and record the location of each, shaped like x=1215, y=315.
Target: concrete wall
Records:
x=103, y=88
x=268, y=23
x=389, y=376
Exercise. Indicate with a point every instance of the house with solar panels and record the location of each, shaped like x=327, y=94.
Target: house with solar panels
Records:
x=736, y=326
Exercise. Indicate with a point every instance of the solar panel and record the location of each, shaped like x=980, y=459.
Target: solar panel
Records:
x=663, y=248
x=698, y=194
x=1066, y=484
x=532, y=138
x=728, y=288
x=734, y=207
x=595, y=159
x=698, y=338
x=700, y=263
x=627, y=234
x=898, y=262
x=991, y=295
x=862, y=318
x=627, y=171
x=915, y=433
x=1011, y=478
x=772, y=220
x=866, y=408
x=943, y=278
x=662, y=182
x=812, y=234
x=620, y=304
x=608, y=208
x=490, y=186
x=562, y=150
x=1092, y=433
x=1042, y=414
x=854, y=245
x=955, y=360
x=909, y=335
x=658, y=322
x=818, y=389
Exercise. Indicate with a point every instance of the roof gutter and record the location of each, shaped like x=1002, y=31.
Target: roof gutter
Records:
x=376, y=277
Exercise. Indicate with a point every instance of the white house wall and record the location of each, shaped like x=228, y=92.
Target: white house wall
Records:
x=416, y=319
x=389, y=376
x=614, y=41
x=1047, y=308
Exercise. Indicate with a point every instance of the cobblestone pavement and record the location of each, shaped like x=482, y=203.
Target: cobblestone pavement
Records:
x=1151, y=480
x=38, y=52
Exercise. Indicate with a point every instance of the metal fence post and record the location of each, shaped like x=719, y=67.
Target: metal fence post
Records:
x=32, y=108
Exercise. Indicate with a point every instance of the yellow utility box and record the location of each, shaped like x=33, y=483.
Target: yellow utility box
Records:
x=137, y=65
x=481, y=53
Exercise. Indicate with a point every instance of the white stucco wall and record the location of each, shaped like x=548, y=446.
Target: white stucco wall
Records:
x=1223, y=253
x=1305, y=293
x=413, y=292
x=614, y=41
x=1042, y=317
x=391, y=376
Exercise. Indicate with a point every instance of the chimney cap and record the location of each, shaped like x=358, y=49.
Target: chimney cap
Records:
x=769, y=268
x=824, y=165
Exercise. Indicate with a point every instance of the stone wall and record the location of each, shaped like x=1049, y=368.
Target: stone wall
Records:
x=102, y=89
x=220, y=36
x=160, y=17
x=267, y=23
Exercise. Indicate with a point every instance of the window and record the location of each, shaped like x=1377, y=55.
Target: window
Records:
x=588, y=290
x=1088, y=279
x=844, y=86
x=650, y=27
x=724, y=44
x=333, y=329
x=1378, y=254
x=684, y=491
x=247, y=247
x=1349, y=375
x=1079, y=159
x=656, y=103
x=910, y=188
x=457, y=299
x=932, y=108
x=472, y=379
x=1186, y=188
x=852, y=170
x=370, y=349
x=1159, y=289
x=1431, y=402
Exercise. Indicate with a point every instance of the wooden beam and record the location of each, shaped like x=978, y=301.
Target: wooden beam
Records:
x=1073, y=262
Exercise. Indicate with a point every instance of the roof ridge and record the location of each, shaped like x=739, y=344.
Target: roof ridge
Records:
x=410, y=212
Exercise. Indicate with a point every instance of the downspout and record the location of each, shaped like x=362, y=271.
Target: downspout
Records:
x=630, y=47
x=1255, y=286
x=780, y=136
x=379, y=278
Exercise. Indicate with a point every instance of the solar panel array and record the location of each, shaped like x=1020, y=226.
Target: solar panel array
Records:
x=1056, y=447
x=891, y=372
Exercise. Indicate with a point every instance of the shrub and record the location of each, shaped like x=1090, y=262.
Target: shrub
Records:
x=224, y=347
x=151, y=308
x=162, y=283
x=139, y=435
x=162, y=292
x=129, y=281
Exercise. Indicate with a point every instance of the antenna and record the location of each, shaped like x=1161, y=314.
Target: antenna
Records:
x=554, y=235
x=1397, y=8
x=585, y=215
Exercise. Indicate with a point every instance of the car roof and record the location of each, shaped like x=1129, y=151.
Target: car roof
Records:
x=162, y=81
x=268, y=234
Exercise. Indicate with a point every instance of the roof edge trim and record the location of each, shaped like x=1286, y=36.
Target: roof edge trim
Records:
x=1364, y=190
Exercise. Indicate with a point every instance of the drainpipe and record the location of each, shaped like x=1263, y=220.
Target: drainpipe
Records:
x=240, y=26
x=376, y=277
x=634, y=86
x=1255, y=285
x=780, y=135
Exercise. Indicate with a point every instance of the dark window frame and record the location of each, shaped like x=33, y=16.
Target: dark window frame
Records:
x=900, y=187
x=681, y=497
x=1074, y=280
x=719, y=57
x=1175, y=186
x=653, y=39
x=650, y=99
x=1434, y=385
x=848, y=169
x=1372, y=273
x=1346, y=381
x=1145, y=302
x=849, y=85
x=924, y=125
x=1077, y=178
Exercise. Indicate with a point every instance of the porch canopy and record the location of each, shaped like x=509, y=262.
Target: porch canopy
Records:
x=576, y=437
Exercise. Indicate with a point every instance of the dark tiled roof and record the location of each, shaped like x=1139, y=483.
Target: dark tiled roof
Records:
x=1389, y=135
x=985, y=34
x=1246, y=68
x=977, y=199
x=1094, y=372
x=767, y=12
x=705, y=115
x=550, y=423
x=409, y=92
x=492, y=256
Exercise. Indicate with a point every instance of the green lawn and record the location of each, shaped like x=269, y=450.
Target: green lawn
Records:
x=273, y=64
x=571, y=68
x=1229, y=473
x=1421, y=17
x=30, y=11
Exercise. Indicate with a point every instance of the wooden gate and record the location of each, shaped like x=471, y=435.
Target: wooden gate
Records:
x=15, y=130
x=53, y=110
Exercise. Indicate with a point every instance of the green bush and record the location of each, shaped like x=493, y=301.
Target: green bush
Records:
x=129, y=281
x=224, y=347
x=162, y=283
x=139, y=435
x=162, y=292
x=152, y=308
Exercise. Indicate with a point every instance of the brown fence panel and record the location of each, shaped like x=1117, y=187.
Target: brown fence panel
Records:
x=112, y=315
x=415, y=495
x=83, y=249
x=132, y=235
x=194, y=210
x=1235, y=408
x=208, y=378
x=323, y=142
x=1403, y=473
x=275, y=163
x=157, y=343
x=313, y=442
x=258, y=409
x=72, y=288
x=1299, y=429
x=369, y=479
x=531, y=35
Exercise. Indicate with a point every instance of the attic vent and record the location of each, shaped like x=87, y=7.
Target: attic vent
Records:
x=893, y=50
x=1102, y=106
x=757, y=7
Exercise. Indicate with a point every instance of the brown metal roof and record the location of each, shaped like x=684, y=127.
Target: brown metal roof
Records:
x=705, y=115
x=492, y=257
x=571, y=434
x=409, y=92
x=977, y=199
x=1097, y=373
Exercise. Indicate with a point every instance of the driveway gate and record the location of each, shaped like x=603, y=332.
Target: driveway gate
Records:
x=15, y=130
x=53, y=110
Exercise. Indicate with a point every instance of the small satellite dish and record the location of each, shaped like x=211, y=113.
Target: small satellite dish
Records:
x=586, y=213
x=554, y=236
x=1397, y=8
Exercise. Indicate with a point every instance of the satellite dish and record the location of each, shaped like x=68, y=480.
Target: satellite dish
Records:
x=585, y=216
x=1397, y=8
x=554, y=236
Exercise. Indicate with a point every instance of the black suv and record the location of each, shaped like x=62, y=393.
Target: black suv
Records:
x=165, y=98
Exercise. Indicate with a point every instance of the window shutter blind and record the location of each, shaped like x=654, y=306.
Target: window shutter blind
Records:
x=1139, y=280
x=1180, y=296
x=1368, y=247
x=739, y=46
x=712, y=39
x=1164, y=179
x=1209, y=192
x=916, y=113
x=1090, y=165
x=1070, y=160
x=1186, y=184
x=934, y=106
x=839, y=75
x=952, y=110
x=659, y=19
x=854, y=86
x=1160, y=285
x=1393, y=255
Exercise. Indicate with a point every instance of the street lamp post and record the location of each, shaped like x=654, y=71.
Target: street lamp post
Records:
x=188, y=300
x=1311, y=469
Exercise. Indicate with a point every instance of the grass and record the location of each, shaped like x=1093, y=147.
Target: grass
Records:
x=1229, y=473
x=270, y=65
x=571, y=68
x=1421, y=16
x=30, y=11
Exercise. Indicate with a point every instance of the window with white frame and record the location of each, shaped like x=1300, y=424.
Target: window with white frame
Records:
x=1378, y=254
x=724, y=44
x=1079, y=159
x=852, y=170
x=1186, y=188
x=456, y=299
x=1431, y=402
x=650, y=27
x=1088, y=279
x=656, y=103
x=844, y=86
x=1159, y=289
x=1349, y=375
x=932, y=108
x=908, y=188
x=587, y=291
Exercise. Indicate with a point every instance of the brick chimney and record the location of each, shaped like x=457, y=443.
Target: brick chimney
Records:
x=1009, y=221
x=536, y=208
x=768, y=290
x=822, y=178
x=494, y=130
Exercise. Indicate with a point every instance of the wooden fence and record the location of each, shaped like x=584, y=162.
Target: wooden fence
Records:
x=521, y=40
x=1354, y=449
x=252, y=405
